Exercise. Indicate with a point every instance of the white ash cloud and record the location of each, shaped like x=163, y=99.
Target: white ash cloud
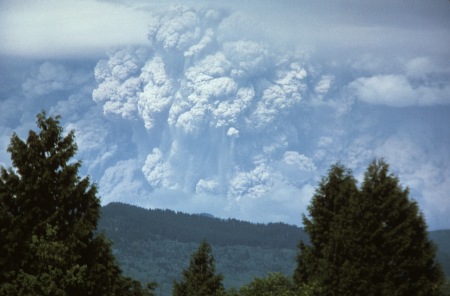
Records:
x=222, y=104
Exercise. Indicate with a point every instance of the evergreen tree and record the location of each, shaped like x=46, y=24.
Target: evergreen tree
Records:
x=324, y=259
x=48, y=218
x=368, y=241
x=200, y=278
x=399, y=258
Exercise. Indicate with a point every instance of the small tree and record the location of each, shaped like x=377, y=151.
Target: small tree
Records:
x=200, y=278
x=48, y=218
x=368, y=241
x=275, y=284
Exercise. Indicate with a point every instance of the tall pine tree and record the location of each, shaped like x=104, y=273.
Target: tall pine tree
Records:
x=367, y=241
x=200, y=278
x=48, y=216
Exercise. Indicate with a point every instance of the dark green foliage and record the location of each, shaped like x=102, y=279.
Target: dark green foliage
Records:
x=328, y=230
x=396, y=232
x=47, y=222
x=368, y=241
x=166, y=224
x=275, y=284
x=162, y=260
x=200, y=279
x=446, y=287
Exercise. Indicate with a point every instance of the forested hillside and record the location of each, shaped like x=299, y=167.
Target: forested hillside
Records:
x=154, y=245
x=141, y=224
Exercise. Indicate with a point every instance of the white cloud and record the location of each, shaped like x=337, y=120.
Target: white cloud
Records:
x=323, y=86
x=280, y=97
x=177, y=29
x=299, y=161
x=252, y=184
x=232, y=132
x=119, y=82
x=208, y=186
x=398, y=91
x=418, y=81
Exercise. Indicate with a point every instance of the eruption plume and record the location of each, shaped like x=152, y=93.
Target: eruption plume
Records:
x=222, y=107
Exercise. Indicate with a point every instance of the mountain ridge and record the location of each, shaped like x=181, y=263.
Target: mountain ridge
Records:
x=168, y=224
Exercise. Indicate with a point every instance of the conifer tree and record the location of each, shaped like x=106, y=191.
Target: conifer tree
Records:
x=200, y=278
x=324, y=259
x=48, y=218
x=367, y=241
x=399, y=258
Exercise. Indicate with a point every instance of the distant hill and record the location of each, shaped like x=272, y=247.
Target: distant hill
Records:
x=155, y=245
x=131, y=223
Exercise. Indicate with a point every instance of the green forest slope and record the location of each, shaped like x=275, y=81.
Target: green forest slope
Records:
x=155, y=245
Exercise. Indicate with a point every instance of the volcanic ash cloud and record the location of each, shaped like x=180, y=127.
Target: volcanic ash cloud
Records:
x=223, y=106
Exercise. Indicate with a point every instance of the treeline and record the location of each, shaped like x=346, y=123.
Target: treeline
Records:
x=125, y=223
x=162, y=260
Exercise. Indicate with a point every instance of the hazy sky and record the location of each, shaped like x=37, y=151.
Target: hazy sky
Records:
x=236, y=108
